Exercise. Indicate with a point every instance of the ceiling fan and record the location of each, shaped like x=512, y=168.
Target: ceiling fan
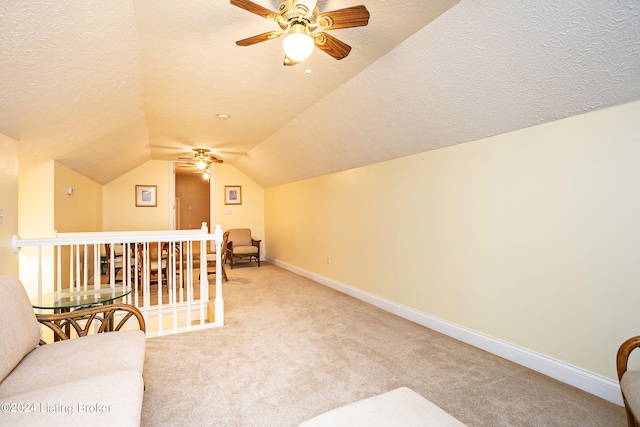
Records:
x=200, y=159
x=298, y=20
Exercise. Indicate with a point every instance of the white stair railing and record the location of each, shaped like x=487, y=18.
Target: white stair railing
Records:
x=171, y=263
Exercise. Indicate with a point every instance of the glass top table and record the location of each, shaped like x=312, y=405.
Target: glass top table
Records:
x=67, y=299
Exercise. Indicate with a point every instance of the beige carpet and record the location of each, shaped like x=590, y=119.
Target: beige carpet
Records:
x=292, y=349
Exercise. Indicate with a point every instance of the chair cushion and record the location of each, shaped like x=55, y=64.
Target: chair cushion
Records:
x=245, y=250
x=399, y=407
x=19, y=329
x=240, y=237
x=75, y=359
x=630, y=385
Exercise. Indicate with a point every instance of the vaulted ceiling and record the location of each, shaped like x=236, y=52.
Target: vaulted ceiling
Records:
x=104, y=85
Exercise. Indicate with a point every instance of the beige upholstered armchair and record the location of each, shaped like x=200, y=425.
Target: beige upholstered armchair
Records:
x=629, y=381
x=241, y=245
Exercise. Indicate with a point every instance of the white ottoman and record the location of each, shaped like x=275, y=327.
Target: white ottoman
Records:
x=400, y=407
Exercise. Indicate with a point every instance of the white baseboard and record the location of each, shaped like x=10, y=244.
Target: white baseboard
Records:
x=590, y=382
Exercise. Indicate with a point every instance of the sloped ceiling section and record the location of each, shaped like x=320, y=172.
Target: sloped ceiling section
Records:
x=481, y=69
x=105, y=85
x=70, y=85
x=193, y=70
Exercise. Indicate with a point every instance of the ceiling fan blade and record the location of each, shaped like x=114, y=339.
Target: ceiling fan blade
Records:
x=288, y=62
x=254, y=8
x=259, y=38
x=355, y=16
x=332, y=46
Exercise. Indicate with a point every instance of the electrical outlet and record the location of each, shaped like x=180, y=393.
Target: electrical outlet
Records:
x=1, y=216
x=328, y=260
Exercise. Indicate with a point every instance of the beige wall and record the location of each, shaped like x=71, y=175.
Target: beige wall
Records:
x=36, y=220
x=8, y=203
x=45, y=207
x=81, y=211
x=77, y=212
x=120, y=213
x=530, y=237
x=119, y=202
x=250, y=214
x=36, y=202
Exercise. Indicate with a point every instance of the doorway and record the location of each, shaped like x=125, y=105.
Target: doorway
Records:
x=193, y=199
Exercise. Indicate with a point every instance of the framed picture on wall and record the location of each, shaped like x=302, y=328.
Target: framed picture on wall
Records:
x=232, y=195
x=146, y=195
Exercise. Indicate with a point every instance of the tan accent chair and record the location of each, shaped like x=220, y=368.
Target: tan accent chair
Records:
x=242, y=246
x=629, y=381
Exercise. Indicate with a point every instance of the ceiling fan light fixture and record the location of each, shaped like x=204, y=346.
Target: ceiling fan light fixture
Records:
x=201, y=164
x=298, y=45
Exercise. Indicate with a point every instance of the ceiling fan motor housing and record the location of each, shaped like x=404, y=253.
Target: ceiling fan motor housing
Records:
x=304, y=10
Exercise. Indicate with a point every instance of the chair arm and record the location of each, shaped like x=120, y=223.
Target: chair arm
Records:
x=255, y=242
x=82, y=319
x=623, y=354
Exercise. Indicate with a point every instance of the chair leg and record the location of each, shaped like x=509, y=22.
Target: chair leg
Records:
x=631, y=420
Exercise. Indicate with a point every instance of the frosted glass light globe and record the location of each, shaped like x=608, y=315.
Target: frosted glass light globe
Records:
x=298, y=46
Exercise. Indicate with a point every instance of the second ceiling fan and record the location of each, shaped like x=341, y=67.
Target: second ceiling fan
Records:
x=200, y=158
x=298, y=20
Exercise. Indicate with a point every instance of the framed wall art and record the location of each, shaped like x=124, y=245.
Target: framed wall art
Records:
x=232, y=195
x=146, y=195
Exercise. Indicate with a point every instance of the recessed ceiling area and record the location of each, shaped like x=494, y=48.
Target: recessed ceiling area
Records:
x=104, y=86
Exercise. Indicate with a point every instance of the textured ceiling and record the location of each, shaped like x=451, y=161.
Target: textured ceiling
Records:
x=103, y=86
